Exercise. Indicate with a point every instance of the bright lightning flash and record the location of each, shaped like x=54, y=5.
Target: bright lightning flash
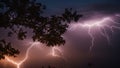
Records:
x=101, y=25
x=18, y=64
x=55, y=51
x=106, y=22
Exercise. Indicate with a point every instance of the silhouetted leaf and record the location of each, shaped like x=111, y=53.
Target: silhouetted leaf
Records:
x=7, y=50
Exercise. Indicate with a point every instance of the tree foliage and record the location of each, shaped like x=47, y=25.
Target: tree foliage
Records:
x=28, y=14
x=6, y=49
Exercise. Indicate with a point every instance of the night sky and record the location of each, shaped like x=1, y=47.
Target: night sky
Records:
x=75, y=53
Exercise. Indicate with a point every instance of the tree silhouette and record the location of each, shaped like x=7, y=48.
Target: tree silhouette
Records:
x=16, y=14
x=6, y=49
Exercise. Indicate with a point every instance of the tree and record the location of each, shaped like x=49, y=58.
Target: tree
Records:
x=28, y=14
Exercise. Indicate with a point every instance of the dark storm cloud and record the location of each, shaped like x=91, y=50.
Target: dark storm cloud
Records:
x=57, y=6
x=106, y=8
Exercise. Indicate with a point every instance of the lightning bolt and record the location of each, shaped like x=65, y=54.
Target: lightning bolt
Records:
x=57, y=52
x=101, y=25
x=92, y=37
x=18, y=64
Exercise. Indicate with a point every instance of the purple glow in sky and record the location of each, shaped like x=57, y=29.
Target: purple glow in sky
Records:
x=98, y=25
x=91, y=26
x=99, y=28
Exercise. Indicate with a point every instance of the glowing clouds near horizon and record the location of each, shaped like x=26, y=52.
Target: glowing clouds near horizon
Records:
x=55, y=52
x=18, y=64
x=96, y=24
